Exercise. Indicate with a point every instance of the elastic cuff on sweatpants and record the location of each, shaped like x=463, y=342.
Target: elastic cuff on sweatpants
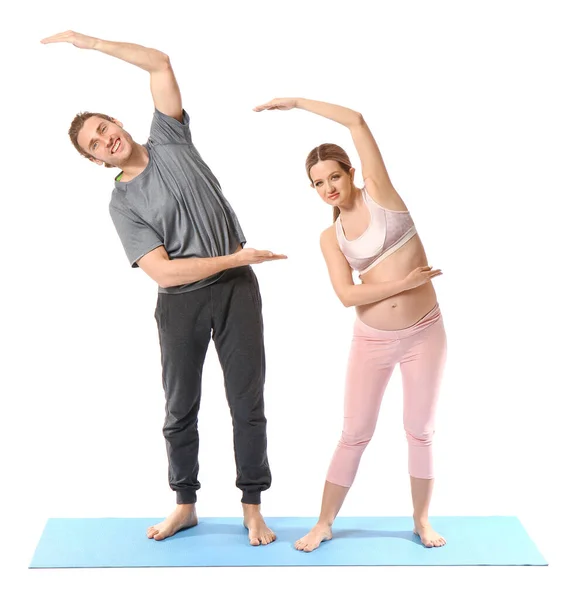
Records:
x=186, y=497
x=251, y=498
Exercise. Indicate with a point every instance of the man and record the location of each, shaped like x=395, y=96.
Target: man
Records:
x=176, y=225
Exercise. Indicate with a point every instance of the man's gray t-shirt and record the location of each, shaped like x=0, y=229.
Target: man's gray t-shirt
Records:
x=175, y=202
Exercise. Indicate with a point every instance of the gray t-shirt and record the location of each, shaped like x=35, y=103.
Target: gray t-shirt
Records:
x=175, y=202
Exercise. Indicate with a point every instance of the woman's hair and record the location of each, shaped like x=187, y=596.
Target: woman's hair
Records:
x=328, y=152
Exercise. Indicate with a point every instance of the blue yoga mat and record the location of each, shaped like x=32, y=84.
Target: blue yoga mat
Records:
x=223, y=542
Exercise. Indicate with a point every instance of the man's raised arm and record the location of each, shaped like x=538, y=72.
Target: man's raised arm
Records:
x=164, y=86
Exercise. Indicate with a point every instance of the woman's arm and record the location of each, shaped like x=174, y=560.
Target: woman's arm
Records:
x=349, y=293
x=352, y=294
x=374, y=171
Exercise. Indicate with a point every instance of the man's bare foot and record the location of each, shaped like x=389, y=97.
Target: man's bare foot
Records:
x=183, y=517
x=318, y=534
x=259, y=533
x=428, y=537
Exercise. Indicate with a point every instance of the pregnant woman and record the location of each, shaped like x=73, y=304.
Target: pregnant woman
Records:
x=399, y=321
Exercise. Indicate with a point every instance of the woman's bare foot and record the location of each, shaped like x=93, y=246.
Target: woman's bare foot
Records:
x=428, y=537
x=183, y=517
x=259, y=533
x=318, y=534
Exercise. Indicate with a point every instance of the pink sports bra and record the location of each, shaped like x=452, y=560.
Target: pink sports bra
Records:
x=388, y=230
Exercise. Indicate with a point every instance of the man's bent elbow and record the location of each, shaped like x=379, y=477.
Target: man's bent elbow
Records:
x=163, y=282
x=164, y=61
x=165, y=279
x=160, y=275
x=357, y=120
x=159, y=61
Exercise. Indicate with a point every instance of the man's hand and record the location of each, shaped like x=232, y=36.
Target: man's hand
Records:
x=164, y=86
x=250, y=256
x=79, y=40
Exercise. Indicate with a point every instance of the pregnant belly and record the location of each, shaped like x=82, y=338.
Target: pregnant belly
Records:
x=406, y=308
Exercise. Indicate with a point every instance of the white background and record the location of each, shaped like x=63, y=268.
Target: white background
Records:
x=465, y=100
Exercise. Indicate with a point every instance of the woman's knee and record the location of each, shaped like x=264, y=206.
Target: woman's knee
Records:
x=420, y=437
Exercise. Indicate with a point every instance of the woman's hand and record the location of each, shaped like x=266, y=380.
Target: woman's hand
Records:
x=420, y=276
x=277, y=104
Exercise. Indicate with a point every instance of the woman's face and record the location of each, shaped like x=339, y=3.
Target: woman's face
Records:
x=332, y=183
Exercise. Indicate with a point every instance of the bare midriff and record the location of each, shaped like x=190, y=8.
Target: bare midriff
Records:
x=406, y=308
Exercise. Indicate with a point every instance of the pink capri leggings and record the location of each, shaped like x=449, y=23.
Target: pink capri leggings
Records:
x=421, y=352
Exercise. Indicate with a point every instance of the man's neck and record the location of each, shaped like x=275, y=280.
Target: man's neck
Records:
x=137, y=162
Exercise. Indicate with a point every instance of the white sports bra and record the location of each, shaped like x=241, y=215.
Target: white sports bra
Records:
x=388, y=230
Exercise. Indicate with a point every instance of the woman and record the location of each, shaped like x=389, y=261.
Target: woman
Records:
x=398, y=317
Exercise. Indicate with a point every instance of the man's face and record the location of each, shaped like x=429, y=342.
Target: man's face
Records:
x=106, y=141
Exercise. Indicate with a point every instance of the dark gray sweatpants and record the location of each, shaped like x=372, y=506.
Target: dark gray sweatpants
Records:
x=229, y=311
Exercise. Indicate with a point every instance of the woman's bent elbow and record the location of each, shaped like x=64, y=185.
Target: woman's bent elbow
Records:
x=345, y=300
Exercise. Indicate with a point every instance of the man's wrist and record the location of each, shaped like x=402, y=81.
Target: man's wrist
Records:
x=233, y=260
